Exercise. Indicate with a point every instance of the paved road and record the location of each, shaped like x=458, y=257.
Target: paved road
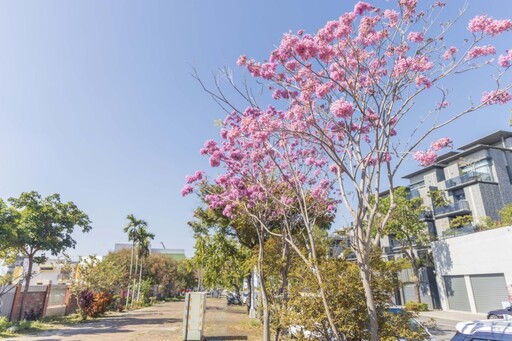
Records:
x=160, y=322
x=446, y=321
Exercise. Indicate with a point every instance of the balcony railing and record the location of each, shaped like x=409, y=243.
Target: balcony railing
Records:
x=468, y=177
x=459, y=231
x=461, y=205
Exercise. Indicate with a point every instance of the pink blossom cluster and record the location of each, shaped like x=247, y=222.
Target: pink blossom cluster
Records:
x=429, y=157
x=342, y=109
x=415, y=37
x=362, y=7
x=186, y=190
x=425, y=158
x=444, y=142
x=449, y=52
x=496, y=97
x=198, y=175
x=392, y=16
x=479, y=51
x=422, y=80
x=504, y=59
x=408, y=7
x=488, y=25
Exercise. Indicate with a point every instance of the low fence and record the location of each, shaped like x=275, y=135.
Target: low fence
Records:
x=41, y=301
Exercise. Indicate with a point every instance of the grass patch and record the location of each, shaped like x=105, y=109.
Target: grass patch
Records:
x=22, y=327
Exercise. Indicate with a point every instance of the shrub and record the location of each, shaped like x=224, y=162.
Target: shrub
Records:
x=93, y=304
x=100, y=304
x=415, y=306
x=506, y=215
x=4, y=324
x=85, y=301
x=461, y=221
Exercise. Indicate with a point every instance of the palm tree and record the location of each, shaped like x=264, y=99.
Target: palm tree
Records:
x=143, y=237
x=132, y=229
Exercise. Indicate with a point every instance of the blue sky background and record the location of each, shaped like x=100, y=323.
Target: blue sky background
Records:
x=97, y=101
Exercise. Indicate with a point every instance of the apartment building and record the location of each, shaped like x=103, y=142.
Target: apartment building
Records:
x=472, y=182
x=475, y=180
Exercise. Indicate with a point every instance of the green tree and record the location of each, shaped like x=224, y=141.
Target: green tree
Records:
x=186, y=276
x=506, y=215
x=162, y=270
x=344, y=290
x=132, y=229
x=142, y=239
x=42, y=225
x=406, y=227
x=107, y=275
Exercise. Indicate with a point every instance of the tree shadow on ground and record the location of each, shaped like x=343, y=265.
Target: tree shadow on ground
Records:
x=107, y=325
x=223, y=338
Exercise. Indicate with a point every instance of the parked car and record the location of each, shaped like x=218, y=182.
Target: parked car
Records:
x=489, y=330
x=500, y=313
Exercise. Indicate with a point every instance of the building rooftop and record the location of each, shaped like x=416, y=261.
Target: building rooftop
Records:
x=489, y=139
x=177, y=254
x=443, y=159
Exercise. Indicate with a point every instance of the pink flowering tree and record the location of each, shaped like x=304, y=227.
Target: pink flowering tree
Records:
x=275, y=179
x=344, y=113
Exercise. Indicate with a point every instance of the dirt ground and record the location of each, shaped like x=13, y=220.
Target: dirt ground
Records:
x=159, y=322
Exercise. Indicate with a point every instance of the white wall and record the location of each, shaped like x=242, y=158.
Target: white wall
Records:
x=487, y=252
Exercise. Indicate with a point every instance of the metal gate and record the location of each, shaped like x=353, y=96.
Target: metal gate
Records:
x=489, y=291
x=409, y=293
x=457, y=293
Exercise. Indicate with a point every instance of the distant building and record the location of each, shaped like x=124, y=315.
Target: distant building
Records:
x=176, y=254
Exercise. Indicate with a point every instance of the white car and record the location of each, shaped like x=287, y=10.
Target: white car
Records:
x=489, y=330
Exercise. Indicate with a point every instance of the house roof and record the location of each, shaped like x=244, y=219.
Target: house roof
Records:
x=489, y=139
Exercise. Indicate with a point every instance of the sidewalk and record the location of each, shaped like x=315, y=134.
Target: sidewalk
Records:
x=455, y=316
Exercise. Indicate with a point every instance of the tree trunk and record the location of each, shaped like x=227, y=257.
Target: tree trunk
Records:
x=249, y=295
x=134, y=279
x=27, y=284
x=140, y=280
x=416, y=272
x=364, y=271
x=263, y=289
x=130, y=276
x=283, y=292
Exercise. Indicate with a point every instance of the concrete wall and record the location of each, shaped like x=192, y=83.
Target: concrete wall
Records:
x=487, y=252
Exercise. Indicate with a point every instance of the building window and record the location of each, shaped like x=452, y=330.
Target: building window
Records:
x=482, y=168
x=459, y=195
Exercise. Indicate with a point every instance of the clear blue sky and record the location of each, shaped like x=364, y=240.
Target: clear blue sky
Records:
x=97, y=102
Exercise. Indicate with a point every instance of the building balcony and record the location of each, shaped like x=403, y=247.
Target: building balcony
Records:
x=426, y=215
x=459, y=231
x=468, y=178
x=457, y=208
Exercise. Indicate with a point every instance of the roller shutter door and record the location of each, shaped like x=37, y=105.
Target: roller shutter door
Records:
x=489, y=291
x=456, y=293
